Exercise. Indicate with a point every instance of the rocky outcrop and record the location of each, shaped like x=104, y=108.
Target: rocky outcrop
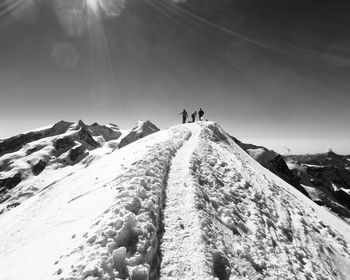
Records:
x=280, y=168
x=63, y=144
x=84, y=135
x=8, y=184
x=77, y=153
x=342, y=197
x=39, y=167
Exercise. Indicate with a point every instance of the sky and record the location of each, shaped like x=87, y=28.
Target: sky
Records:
x=272, y=72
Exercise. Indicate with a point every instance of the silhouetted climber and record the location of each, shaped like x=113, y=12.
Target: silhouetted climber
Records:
x=200, y=114
x=193, y=115
x=184, y=116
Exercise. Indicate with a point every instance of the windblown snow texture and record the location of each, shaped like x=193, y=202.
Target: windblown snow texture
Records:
x=182, y=203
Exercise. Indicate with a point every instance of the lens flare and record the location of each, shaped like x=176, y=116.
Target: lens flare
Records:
x=80, y=17
x=65, y=54
x=102, y=81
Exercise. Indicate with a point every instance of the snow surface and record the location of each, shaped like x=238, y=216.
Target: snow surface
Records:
x=182, y=203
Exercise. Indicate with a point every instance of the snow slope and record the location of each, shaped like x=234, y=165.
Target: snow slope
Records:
x=182, y=203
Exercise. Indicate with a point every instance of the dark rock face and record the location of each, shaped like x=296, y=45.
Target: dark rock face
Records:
x=77, y=153
x=280, y=168
x=329, y=175
x=32, y=150
x=332, y=181
x=342, y=197
x=125, y=141
x=85, y=136
x=63, y=144
x=39, y=167
x=15, y=143
x=8, y=184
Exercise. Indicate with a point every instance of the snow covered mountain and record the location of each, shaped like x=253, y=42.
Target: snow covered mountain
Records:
x=24, y=157
x=183, y=203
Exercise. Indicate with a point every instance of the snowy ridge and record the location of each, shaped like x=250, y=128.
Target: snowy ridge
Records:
x=256, y=226
x=182, y=203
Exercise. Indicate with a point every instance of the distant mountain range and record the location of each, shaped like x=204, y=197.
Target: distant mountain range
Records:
x=63, y=144
x=326, y=177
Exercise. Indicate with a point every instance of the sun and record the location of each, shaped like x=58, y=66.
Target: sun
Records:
x=92, y=4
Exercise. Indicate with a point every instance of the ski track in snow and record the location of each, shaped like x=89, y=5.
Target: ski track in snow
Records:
x=182, y=248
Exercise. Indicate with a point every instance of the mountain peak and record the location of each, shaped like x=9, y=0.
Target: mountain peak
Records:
x=81, y=123
x=140, y=130
x=185, y=203
x=146, y=125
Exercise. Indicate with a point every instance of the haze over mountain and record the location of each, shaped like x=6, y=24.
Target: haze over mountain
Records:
x=98, y=202
x=274, y=73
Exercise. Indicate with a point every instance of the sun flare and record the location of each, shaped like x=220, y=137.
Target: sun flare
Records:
x=93, y=4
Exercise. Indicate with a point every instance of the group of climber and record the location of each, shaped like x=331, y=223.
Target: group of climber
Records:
x=193, y=115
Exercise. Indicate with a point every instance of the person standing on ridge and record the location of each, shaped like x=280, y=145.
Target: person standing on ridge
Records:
x=184, y=116
x=200, y=114
x=194, y=114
